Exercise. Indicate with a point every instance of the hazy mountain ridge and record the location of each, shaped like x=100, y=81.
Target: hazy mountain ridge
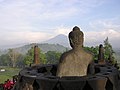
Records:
x=117, y=54
x=59, y=39
x=3, y=51
x=58, y=43
x=45, y=47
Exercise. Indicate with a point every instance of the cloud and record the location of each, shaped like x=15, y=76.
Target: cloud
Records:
x=94, y=38
x=103, y=28
x=26, y=15
x=14, y=38
x=36, y=9
x=62, y=30
x=32, y=10
x=102, y=24
x=24, y=21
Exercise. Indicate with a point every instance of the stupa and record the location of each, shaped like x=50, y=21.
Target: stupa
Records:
x=68, y=74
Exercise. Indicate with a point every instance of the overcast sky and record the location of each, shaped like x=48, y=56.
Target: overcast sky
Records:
x=27, y=21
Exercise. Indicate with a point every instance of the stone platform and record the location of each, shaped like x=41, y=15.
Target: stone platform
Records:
x=43, y=77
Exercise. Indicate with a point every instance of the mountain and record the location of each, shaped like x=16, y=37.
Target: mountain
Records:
x=117, y=54
x=45, y=47
x=58, y=43
x=59, y=39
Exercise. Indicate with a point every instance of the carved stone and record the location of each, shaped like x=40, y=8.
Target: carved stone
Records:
x=101, y=59
x=36, y=55
x=75, y=62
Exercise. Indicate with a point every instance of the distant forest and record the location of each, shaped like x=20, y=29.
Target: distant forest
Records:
x=22, y=56
x=49, y=54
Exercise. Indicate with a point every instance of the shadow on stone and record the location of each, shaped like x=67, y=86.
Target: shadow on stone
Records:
x=54, y=70
x=97, y=70
x=72, y=83
x=42, y=70
x=109, y=85
x=58, y=87
x=36, y=86
x=47, y=84
x=87, y=87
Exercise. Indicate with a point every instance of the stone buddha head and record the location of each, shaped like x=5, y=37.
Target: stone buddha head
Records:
x=76, y=38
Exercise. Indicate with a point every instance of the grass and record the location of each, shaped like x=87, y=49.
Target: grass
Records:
x=8, y=74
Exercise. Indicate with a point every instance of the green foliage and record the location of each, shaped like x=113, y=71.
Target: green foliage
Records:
x=94, y=51
x=25, y=54
x=30, y=57
x=43, y=58
x=20, y=61
x=45, y=47
x=52, y=47
x=5, y=60
x=53, y=57
x=49, y=53
x=109, y=53
x=108, y=49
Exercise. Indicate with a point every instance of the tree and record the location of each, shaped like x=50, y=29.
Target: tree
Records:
x=13, y=56
x=43, y=58
x=30, y=56
x=93, y=50
x=108, y=50
x=53, y=57
x=20, y=61
x=5, y=60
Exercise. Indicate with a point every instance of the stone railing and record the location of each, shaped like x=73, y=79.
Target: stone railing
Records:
x=43, y=77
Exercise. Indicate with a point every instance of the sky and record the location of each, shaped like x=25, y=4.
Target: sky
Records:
x=33, y=21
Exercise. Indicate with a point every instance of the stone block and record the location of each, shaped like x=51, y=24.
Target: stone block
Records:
x=47, y=83
x=72, y=83
x=97, y=83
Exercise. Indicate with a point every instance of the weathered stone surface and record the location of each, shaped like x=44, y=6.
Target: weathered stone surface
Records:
x=101, y=59
x=75, y=62
x=31, y=79
x=36, y=55
x=72, y=83
x=97, y=83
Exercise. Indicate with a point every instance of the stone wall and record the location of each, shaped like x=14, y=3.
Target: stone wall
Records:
x=43, y=77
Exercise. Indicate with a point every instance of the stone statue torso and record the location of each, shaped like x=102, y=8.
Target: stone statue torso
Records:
x=74, y=62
